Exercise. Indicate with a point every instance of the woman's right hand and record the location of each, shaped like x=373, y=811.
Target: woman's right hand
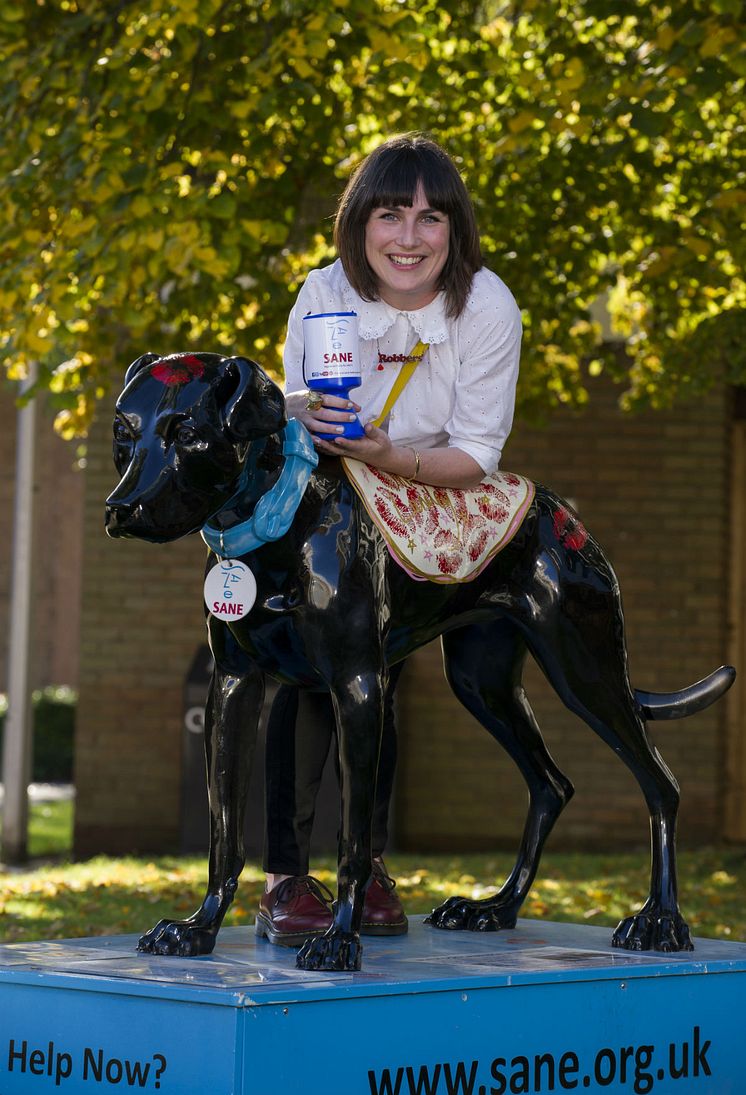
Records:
x=329, y=417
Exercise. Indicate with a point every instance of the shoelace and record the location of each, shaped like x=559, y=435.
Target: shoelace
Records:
x=299, y=884
x=383, y=877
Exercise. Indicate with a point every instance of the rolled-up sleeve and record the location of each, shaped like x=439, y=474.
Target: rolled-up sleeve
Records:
x=490, y=348
x=315, y=295
x=292, y=354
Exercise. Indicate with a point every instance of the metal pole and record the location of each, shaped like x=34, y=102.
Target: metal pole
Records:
x=18, y=730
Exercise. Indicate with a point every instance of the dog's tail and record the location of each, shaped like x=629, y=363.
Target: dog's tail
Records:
x=677, y=705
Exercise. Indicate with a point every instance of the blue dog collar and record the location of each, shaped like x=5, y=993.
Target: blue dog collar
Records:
x=275, y=511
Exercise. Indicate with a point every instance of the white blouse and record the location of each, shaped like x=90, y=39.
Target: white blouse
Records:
x=462, y=393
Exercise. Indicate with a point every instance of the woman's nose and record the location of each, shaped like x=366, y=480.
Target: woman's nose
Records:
x=408, y=234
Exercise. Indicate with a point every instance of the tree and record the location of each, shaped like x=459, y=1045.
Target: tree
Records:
x=170, y=166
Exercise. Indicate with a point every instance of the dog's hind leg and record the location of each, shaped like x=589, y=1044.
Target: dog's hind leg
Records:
x=234, y=702
x=588, y=668
x=483, y=665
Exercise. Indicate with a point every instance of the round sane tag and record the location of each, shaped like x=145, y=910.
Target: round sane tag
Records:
x=230, y=590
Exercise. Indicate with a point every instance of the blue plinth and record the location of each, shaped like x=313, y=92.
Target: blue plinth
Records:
x=545, y=1008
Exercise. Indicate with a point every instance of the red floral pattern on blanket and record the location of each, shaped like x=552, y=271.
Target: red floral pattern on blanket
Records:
x=442, y=534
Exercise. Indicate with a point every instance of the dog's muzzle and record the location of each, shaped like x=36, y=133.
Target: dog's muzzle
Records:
x=118, y=516
x=150, y=519
x=123, y=519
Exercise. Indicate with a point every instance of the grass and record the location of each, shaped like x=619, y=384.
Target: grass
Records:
x=59, y=899
x=50, y=829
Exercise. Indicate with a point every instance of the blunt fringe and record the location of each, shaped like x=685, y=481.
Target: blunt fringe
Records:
x=389, y=176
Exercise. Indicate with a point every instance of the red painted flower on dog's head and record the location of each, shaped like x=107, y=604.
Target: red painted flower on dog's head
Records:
x=178, y=369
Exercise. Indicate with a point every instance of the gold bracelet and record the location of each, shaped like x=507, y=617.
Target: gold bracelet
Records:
x=416, y=463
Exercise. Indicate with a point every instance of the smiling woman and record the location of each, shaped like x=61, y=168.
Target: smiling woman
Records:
x=410, y=267
x=399, y=175
x=438, y=352
x=407, y=248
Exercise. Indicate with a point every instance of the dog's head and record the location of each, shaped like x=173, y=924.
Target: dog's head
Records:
x=182, y=432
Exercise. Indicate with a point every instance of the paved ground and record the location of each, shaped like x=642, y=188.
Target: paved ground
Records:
x=45, y=792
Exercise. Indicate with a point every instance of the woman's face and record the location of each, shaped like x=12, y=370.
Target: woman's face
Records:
x=407, y=247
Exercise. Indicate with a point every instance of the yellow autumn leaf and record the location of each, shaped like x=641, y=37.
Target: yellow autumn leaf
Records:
x=153, y=239
x=520, y=121
x=140, y=205
x=730, y=199
x=303, y=68
x=697, y=245
x=177, y=255
x=573, y=77
x=716, y=40
x=665, y=37
x=265, y=231
x=240, y=109
x=38, y=343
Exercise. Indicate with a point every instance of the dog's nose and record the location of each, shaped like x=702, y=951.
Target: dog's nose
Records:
x=116, y=515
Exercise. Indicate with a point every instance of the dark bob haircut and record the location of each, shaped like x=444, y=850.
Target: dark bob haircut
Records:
x=389, y=176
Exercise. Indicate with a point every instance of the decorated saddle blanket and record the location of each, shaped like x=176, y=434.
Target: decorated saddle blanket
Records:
x=442, y=534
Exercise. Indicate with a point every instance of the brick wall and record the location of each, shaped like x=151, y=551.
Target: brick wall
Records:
x=141, y=622
x=653, y=490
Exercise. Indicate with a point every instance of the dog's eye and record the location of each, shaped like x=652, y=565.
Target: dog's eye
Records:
x=122, y=435
x=186, y=435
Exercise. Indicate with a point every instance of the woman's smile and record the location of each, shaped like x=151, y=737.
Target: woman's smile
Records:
x=407, y=248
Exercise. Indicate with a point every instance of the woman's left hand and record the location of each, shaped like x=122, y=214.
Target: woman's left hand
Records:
x=375, y=448
x=444, y=467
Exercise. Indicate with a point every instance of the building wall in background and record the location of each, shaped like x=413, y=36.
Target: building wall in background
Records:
x=141, y=623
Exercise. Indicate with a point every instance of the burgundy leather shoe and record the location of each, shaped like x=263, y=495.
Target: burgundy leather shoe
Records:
x=293, y=910
x=383, y=913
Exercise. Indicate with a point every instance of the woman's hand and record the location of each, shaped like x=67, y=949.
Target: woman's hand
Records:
x=442, y=467
x=375, y=448
x=328, y=417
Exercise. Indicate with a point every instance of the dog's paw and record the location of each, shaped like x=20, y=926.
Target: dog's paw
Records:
x=464, y=914
x=651, y=930
x=177, y=937
x=337, y=950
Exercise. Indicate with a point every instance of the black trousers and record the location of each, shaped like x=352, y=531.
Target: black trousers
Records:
x=294, y=764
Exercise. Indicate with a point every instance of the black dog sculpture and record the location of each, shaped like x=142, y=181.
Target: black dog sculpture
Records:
x=197, y=439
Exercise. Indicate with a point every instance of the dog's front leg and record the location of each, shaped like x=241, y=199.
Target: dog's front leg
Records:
x=234, y=703
x=358, y=706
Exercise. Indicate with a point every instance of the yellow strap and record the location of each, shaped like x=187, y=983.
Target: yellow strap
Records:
x=414, y=357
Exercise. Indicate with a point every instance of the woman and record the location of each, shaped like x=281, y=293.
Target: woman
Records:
x=410, y=266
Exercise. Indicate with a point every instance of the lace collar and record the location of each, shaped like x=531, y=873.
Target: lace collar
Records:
x=375, y=316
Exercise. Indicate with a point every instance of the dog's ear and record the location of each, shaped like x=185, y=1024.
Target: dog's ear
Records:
x=136, y=366
x=254, y=406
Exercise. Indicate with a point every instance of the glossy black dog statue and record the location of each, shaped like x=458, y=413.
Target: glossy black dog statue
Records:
x=197, y=439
